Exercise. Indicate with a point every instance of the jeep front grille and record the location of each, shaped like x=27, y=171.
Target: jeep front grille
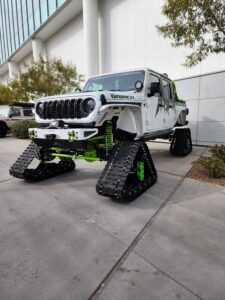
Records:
x=61, y=109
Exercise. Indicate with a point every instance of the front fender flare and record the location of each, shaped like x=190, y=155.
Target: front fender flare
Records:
x=129, y=116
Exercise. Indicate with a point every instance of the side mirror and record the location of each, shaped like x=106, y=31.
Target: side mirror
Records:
x=77, y=90
x=154, y=89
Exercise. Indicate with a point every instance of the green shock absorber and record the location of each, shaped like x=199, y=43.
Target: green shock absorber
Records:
x=108, y=137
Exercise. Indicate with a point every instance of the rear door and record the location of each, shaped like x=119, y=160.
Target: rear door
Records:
x=169, y=103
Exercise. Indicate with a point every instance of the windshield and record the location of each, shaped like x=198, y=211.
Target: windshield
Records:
x=115, y=82
x=4, y=111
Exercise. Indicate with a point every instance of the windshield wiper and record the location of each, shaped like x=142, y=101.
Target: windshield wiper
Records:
x=115, y=90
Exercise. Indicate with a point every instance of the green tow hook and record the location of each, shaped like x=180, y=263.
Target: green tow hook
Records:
x=141, y=170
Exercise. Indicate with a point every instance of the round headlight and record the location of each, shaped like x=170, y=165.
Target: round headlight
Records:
x=139, y=85
x=89, y=105
x=40, y=108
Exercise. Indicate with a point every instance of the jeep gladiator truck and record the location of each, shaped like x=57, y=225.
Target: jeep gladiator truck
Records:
x=9, y=114
x=111, y=120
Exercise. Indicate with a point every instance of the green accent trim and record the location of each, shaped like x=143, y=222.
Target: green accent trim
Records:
x=96, y=138
x=177, y=100
x=88, y=158
x=55, y=149
x=76, y=157
x=31, y=134
x=71, y=136
x=141, y=170
x=90, y=151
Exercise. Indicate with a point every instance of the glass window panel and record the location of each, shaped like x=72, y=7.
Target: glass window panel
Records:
x=52, y=6
x=8, y=31
x=44, y=11
x=19, y=31
x=37, y=20
x=4, y=29
x=60, y=2
x=30, y=16
x=2, y=33
x=15, y=24
x=25, y=22
x=27, y=112
x=12, y=25
x=167, y=91
x=15, y=112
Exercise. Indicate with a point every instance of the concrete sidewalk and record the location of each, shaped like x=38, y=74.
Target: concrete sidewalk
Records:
x=60, y=240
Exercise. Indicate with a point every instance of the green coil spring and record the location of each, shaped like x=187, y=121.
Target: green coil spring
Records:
x=108, y=138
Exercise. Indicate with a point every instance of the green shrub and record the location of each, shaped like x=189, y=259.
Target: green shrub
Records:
x=20, y=128
x=214, y=165
x=218, y=151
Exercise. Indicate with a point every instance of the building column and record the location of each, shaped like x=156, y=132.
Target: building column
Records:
x=13, y=69
x=91, y=37
x=38, y=49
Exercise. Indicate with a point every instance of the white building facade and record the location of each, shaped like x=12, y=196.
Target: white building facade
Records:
x=98, y=36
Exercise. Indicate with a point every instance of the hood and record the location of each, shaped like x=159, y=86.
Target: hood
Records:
x=109, y=95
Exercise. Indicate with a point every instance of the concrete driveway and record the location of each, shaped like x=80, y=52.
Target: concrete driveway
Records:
x=60, y=240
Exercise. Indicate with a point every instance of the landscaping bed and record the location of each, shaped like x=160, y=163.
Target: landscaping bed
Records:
x=199, y=172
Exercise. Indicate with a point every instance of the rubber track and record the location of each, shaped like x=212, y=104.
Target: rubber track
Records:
x=112, y=181
x=43, y=171
x=18, y=168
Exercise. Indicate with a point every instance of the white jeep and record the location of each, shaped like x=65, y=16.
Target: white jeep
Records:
x=110, y=119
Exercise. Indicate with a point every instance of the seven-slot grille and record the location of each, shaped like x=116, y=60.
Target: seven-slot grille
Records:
x=63, y=109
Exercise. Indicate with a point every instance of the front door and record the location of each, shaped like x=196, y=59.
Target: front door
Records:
x=155, y=108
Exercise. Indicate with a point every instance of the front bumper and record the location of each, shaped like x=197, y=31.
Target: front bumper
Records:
x=62, y=134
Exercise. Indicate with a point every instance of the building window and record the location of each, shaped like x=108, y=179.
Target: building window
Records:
x=51, y=6
x=60, y=2
x=19, y=19
x=37, y=16
x=44, y=10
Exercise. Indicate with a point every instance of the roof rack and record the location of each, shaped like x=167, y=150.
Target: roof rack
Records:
x=23, y=104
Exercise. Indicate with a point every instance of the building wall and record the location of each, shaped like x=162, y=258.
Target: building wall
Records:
x=205, y=97
x=4, y=78
x=129, y=39
x=68, y=44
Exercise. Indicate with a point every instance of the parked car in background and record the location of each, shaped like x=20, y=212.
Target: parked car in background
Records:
x=9, y=114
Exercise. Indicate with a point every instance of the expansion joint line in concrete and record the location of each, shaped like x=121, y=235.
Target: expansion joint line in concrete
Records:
x=124, y=256
x=170, y=277
x=6, y=180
